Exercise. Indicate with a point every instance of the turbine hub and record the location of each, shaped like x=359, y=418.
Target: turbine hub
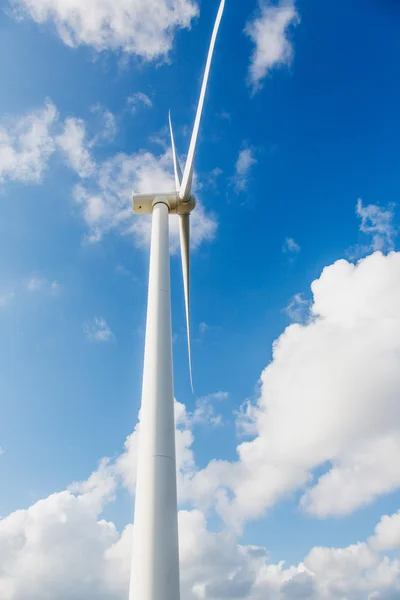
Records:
x=143, y=203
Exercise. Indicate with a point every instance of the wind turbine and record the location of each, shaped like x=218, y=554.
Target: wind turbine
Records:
x=155, y=557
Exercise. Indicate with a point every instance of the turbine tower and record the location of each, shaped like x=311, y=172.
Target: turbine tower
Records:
x=155, y=557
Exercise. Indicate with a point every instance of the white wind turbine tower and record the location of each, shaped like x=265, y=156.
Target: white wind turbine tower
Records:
x=155, y=558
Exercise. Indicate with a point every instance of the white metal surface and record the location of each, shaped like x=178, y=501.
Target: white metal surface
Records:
x=155, y=559
x=177, y=166
x=184, y=231
x=186, y=186
x=143, y=203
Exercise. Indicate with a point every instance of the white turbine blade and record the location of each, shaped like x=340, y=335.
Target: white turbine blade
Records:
x=177, y=167
x=184, y=229
x=186, y=187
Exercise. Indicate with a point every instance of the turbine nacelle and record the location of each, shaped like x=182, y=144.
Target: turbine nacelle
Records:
x=143, y=204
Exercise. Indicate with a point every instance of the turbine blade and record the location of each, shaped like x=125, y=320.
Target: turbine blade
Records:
x=186, y=186
x=184, y=230
x=177, y=167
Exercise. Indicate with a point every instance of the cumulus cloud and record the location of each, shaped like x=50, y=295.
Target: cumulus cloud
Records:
x=97, y=330
x=142, y=27
x=107, y=201
x=269, y=33
x=328, y=399
x=62, y=548
x=387, y=533
x=59, y=547
x=242, y=169
x=26, y=144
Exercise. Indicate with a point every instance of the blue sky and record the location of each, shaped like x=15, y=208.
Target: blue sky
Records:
x=293, y=451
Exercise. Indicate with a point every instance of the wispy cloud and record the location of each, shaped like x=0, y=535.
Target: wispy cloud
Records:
x=35, y=283
x=269, y=32
x=203, y=327
x=243, y=166
x=6, y=298
x=377, y=222
x=73, y=144
x=211, y=179
x=297, y=309
x=38, y=283
x=107, y=126
x=205, y=413
x=246, y=419
x=139, y=99
x=97, y=330
x=26, y=144
x=290, y=246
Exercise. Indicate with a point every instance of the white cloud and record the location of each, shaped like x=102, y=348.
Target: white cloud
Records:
x=58, y=548
x=143, y=27
x=246, y=419
x=35, y=283
x=106, y=197
x=73, y=144
x=55, y=287
x=107, y=125
x=377, y=223
x=26, y=144
x=203, y=327
x=212, y=179
x=387, y=533
x=354, y=573
x=298, y=309
x=107, y=201
x=139, y=99
x=205, y=413
x=269, y=32
x=242, y=169
x=329, y=398
x=290, y=246
x=97, y=330
x=62, y=548
x=6, y=298
x=38, y=283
